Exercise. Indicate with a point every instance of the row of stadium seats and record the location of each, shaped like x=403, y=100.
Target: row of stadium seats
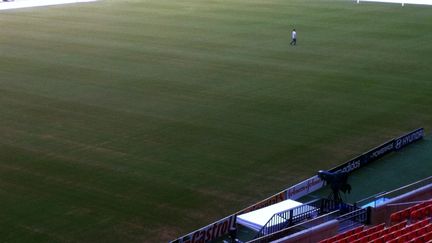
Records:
x=420, y=231
x=343, y=235
x=413, y=213
x=352, y=235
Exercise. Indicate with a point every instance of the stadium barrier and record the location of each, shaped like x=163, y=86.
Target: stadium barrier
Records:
x=382, y=212
x=352, y=219
x=314, y=234
x=303, y=227
x=307, y=231
x=290, y=217
x=295, y=216
x=382, y=197
x=223, y=227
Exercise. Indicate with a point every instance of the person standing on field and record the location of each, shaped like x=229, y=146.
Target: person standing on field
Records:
x=293, y=38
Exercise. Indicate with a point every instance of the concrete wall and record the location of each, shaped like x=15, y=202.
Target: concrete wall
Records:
x=312, y=235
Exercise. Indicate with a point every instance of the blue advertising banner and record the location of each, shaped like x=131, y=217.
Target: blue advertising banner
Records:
x=381, y=150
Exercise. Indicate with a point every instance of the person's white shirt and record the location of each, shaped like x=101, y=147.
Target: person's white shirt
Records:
x=294, y=35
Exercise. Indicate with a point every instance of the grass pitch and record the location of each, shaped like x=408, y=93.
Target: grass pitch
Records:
x=142, y=120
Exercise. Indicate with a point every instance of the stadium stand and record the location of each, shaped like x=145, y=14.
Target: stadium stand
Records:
x=412, y=224
x=404, y=216
x=414, y=213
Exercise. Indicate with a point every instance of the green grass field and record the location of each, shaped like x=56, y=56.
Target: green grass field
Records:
x=142, y=120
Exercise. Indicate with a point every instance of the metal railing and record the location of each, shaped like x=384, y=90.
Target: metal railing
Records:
x=328, y=205
x=370, y=199
x=397, y=192
x=297, y=228
x=353, y=219
x=290, y=217
x=302, y=213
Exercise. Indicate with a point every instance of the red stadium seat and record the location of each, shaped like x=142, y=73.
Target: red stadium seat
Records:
x=393, y=241
x=362, y=234
x=355, y=230
x=405, y=213
x=421, y=231
x=397, y=233
x=356, y=241
x=337, y=238
x=402, y=239
x=425, y=211
x=428, y=209
x=353, y=237
x=388, y=237
x=417, y=206
x=379, y=240
x=359, y=229
x=402, y=224
x=415, y=215
x=395, y=217
x=344, y=240
x=424, y=222
x=407, y=229
x=387, y=230
x=396, y=226
x=364, y=239
x=415, y=225
x=378, y=234
x=411, y=235
x=373, y=236
x=418, y=240
x=350, y=232
x=428, y=236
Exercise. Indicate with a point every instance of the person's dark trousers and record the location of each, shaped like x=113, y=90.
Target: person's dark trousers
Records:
x=293, y=42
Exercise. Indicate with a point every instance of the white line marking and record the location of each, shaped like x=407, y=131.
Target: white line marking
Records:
x=423, y=2
x=36, y=3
